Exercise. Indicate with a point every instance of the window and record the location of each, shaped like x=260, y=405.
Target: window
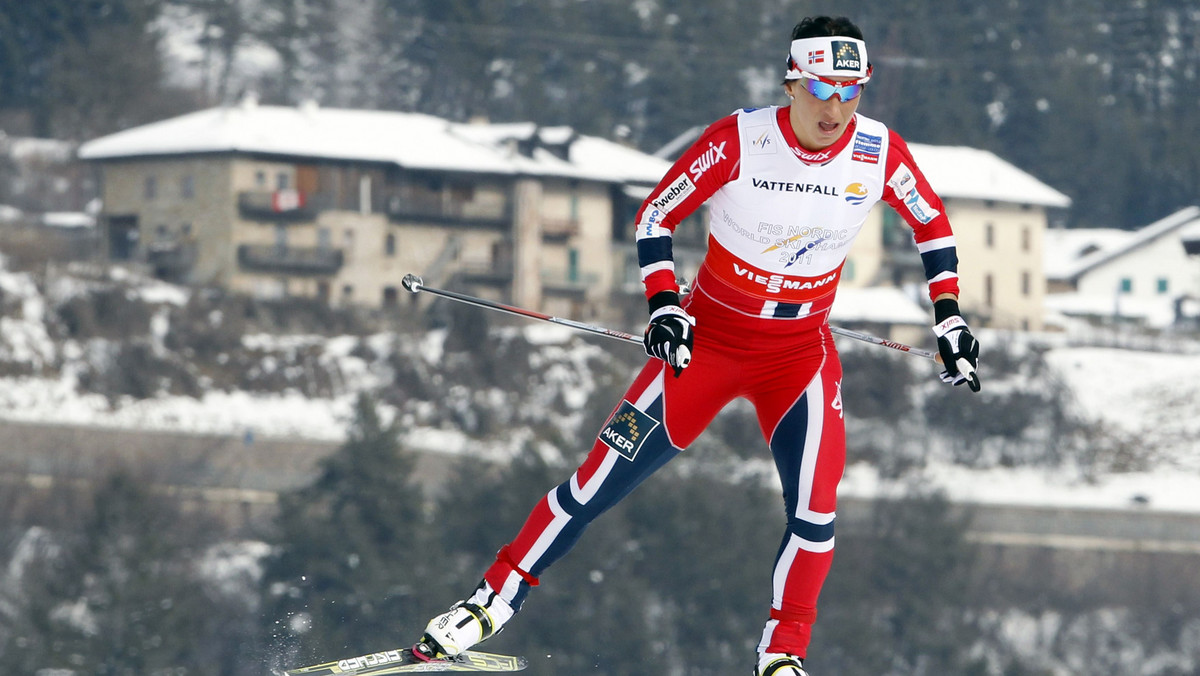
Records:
x=1126, y=285
x=186, y=229
x=364, y=194
x=989, y=235
x=1162, y=285
x=150, y=188
x=187, y=187
x=1026, y=283
x=260, y=179
x=282, y=181
x=389, y=245
x=573, y=265
x=348, y=292
x=988, y=297
x=391, y=296
x=324, y=239
x=1025, y=238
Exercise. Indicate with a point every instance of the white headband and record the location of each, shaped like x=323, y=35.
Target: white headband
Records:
x=829, y=56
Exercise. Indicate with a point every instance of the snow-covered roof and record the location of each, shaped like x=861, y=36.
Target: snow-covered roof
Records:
x=1065, y=250
x=970, y=173
x=68, y=219
x=411, y=140
x=22, y=148
x=877, y=304
x=1184, y=220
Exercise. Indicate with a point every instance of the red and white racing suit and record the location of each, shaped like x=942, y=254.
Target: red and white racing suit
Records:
x=782, y=220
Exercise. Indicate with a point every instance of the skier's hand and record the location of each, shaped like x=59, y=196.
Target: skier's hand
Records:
x=958, y=348
x=669, y=336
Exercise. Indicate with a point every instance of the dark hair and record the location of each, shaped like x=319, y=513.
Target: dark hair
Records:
x=818, y=26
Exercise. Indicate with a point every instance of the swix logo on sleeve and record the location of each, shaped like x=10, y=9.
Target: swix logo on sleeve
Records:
x=674, y=193
x=845, y=56
x=707, y=160
x=627, y=430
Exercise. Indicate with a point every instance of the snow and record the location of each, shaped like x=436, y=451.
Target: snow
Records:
x=411, y=140
x=68, y=219
x=970, y=173
x=883, y=305
x=1147, y=397
x=1063, y=249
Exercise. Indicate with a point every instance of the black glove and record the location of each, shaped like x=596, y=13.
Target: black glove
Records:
x=670, y=331
x=958, y=348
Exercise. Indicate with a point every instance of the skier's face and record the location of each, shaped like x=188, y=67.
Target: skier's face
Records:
x=819, y=123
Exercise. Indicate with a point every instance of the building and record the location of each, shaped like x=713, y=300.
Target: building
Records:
x=999, y=213
x=341, y=204
x=1149, y=276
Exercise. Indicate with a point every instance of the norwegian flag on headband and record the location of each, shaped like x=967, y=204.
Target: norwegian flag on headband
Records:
x=816, y=56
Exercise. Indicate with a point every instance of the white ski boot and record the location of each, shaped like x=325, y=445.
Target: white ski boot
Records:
x=779, y=664
x=466, y=623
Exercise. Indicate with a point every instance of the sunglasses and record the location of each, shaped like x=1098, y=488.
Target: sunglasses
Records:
x=824, y=88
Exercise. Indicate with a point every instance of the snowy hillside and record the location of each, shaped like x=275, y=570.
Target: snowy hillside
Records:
x=1147, y=399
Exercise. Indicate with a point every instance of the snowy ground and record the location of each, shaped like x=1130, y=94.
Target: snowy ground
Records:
x=1147, y=394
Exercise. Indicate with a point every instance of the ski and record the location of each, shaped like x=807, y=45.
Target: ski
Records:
x=402, y=662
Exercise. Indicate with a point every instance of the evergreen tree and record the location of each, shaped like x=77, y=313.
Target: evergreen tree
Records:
x=896, y=601
x=353, y=551
x=122, y=594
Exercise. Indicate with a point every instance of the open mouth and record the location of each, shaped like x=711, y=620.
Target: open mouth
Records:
x=828, y=127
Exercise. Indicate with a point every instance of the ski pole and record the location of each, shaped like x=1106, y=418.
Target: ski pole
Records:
x=414, y=284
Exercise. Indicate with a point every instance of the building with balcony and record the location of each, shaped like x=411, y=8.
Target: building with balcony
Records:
x=341, y=204
x=1000, y=215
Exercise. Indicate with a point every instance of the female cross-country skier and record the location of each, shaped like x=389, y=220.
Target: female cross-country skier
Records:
x=788, y=189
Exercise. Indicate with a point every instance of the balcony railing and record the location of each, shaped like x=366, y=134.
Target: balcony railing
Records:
x=559, y=230
x=290, y=260
x=171, y=258
x=566, y=280
x=280, y=206
x=495, y=274
x=450, y=212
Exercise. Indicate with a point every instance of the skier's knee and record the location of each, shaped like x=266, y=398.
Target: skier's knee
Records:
x=816, y=528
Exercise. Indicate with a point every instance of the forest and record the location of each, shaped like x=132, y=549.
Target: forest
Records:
x=1096, y=99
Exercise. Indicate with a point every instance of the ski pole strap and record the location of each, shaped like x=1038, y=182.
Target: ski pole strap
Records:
x=505, y=557
x=803, y=617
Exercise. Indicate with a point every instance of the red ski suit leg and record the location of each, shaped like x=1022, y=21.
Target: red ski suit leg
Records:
x=789, y=370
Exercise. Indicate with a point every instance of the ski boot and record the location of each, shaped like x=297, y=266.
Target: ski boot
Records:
x=466, y=624
x=779, y=664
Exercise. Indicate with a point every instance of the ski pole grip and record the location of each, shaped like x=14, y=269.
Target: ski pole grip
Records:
x=412, y=282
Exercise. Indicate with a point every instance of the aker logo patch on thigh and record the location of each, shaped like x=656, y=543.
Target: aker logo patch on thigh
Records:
x=627, y=430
